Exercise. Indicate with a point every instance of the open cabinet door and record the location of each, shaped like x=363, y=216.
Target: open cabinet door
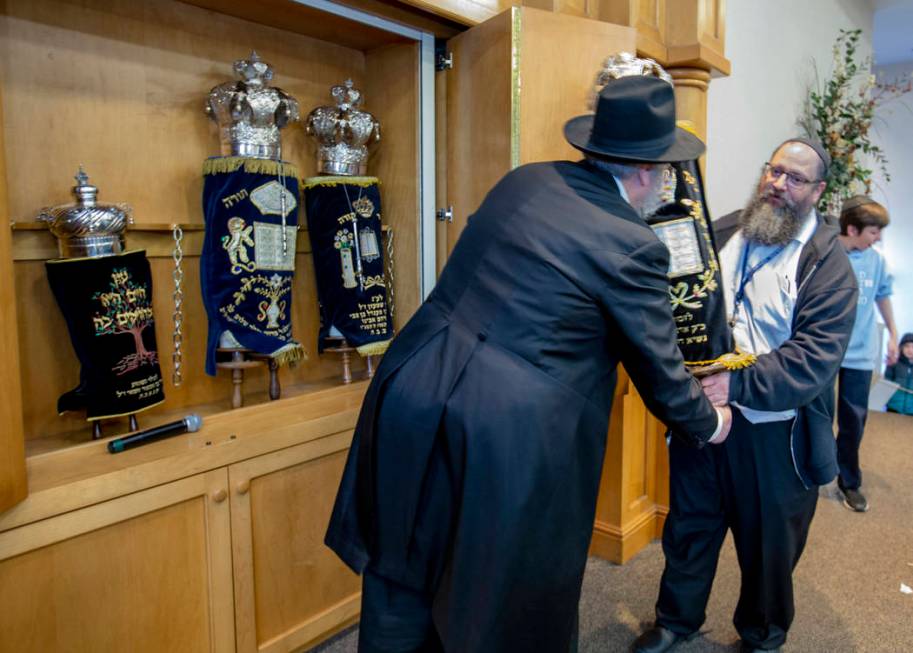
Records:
x=516, y=79
x=13, y=486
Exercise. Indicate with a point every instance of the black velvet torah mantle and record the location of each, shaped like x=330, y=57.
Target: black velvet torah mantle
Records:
x=695, y=283
x=107, y=304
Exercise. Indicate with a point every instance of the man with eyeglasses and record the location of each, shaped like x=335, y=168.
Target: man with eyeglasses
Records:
x=791, y=297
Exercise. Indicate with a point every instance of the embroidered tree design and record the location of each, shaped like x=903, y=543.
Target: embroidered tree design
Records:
x=126, y=308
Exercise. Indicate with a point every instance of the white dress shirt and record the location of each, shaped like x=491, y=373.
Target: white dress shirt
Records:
x=764, y=318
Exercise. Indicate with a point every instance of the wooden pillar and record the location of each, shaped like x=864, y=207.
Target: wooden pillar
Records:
x=691, y=85
x=686, y=37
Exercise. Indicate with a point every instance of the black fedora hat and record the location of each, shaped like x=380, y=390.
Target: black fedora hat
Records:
x=634, y=121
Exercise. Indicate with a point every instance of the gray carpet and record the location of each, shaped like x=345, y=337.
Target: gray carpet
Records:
x=847, y=584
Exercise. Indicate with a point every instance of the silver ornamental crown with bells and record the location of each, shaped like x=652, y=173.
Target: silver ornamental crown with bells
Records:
x=343, y=133
x=86, y=227
x=249, y=112
x=625, y=64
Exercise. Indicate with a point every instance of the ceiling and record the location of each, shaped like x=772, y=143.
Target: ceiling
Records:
x=892, y=37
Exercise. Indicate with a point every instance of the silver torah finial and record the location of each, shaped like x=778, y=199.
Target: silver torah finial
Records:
x=250, y=113
x=343, y=133
x=86, y=227
x=625, y=64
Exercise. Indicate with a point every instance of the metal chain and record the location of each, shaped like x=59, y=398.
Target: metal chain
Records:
x=390, y=302
x=177, y=374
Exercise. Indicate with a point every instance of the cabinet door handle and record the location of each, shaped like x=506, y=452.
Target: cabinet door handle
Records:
x=219, y=495
x=243, y=487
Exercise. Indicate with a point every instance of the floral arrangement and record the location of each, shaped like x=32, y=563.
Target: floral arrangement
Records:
x=839, y=113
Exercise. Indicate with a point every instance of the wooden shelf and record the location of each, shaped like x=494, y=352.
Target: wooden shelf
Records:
x=66, y=478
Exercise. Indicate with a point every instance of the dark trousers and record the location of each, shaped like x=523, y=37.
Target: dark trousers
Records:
x=852, y=410
x=397, y=619
x=749, y=485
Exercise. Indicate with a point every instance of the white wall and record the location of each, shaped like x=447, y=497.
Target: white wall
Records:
x=771, y=45
x=894, y=133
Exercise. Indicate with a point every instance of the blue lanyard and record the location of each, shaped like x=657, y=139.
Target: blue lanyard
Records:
x=747, y=275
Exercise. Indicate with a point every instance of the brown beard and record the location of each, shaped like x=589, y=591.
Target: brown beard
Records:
x=769, y=225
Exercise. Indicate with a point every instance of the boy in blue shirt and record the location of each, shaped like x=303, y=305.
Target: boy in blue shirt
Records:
x=861, y=222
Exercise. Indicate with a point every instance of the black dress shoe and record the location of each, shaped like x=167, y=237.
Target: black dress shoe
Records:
x=657, y=640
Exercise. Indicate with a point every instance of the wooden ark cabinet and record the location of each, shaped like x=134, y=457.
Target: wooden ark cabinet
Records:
x=157, y=548
x=212, y=541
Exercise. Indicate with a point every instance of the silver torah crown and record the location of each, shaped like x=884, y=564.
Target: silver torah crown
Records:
x=250, y=113
x=343, y=133
x=625, y=64
x=86, y=228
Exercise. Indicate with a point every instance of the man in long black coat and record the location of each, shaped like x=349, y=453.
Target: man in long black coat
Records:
x=469, y=495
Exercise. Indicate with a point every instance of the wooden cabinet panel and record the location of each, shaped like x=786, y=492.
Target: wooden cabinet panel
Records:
x=120, y=85
x=480, y=94
x=290, y=589
x=514, y=84
x=13, y=486
x=392, y=90
x=147, y=572
x=556, y=81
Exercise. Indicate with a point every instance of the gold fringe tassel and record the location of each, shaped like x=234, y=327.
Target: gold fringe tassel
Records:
x=335, y=180
x=732, y=361
x=373, y=348
x=224, y=164
x=289, y=354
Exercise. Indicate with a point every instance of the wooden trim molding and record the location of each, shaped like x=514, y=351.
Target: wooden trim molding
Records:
x=619, y=545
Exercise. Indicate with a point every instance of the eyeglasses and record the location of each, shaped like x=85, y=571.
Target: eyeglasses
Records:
x=793, y=180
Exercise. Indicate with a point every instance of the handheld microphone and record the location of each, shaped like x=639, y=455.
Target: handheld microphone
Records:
x=189, y=424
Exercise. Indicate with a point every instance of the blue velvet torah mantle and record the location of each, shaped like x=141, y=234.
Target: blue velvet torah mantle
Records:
x=344, y=224
x=246, y=266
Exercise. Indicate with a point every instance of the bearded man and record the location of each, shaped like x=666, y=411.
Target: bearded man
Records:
x=469, y=495
x=791, y=296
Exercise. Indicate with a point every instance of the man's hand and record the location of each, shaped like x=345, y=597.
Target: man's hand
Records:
x=726, y=412
x=893, y=351
x=716, y=387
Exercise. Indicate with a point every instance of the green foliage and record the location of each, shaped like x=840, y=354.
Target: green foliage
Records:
x=839, y=113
